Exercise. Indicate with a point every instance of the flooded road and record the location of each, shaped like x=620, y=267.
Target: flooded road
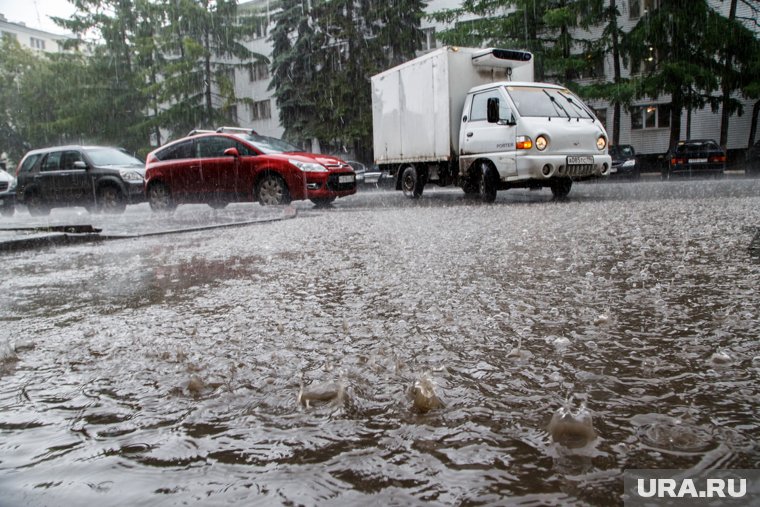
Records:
x=387, y=351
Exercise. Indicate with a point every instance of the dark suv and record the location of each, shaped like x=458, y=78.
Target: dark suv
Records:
x=99, y=178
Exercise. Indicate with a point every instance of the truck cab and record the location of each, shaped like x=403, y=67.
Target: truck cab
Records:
x=529, y=134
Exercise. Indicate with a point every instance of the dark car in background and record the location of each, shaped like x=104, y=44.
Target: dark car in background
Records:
x=231, y=165
x=695, y=157
x=100, y=178
x=752, y=161
x=369, y=176
x=624, y=163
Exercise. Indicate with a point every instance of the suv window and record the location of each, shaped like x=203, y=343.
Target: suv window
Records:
x=52, y=162
x=29, y=162
x=68, y=158
x=176, y=151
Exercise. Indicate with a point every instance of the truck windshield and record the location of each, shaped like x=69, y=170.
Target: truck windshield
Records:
x=547, y=102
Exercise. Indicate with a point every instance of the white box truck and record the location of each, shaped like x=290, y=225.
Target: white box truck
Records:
x=475, y=118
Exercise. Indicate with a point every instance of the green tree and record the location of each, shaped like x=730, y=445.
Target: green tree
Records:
x=620, y=91
x=324, y=55
x=292, y=69
x=676, y=47
x=180, y=56
x=546, y=28
x=15, y=62
x=738, y=57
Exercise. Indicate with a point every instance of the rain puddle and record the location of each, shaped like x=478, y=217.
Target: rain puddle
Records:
x=461, y=354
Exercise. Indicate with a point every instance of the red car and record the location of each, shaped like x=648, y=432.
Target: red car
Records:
x=222, y=167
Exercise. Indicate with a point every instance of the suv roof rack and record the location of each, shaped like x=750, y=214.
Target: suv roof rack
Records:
x=237, y=129
x=199, y=131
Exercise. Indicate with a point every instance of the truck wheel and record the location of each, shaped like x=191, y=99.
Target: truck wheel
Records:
x=470, y=186
x=487, y=184
x=561, y=187
x=412, y=182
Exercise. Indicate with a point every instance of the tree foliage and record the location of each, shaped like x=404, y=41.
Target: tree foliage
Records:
x=159, y=65
x=546, y=28
x=678, y=47
x=324, y=53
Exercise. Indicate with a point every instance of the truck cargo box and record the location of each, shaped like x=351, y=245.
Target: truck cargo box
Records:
x=416, y=106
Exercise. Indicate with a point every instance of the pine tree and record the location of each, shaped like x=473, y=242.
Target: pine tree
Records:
x=676, y=46
x=543, y=27
x=324, y=55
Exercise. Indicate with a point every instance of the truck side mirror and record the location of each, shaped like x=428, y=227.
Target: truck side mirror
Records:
x=492, y=110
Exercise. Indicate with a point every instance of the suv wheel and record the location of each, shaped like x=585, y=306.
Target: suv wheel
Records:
x=36, y=205
x=272, y=190
x=111, y=200
x=160, y=198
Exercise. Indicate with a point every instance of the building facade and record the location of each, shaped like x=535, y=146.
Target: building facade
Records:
x=32, y=38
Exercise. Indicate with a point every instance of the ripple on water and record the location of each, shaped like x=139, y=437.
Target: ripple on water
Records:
x=673, y=435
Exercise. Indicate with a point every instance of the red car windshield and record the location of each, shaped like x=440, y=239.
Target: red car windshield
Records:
x=267, y=144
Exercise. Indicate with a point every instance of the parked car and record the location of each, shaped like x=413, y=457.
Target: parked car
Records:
x=230, y=165
x=624, y=163
x=7, y=193
x=752, y=162
x=695, y=157
x=368, y=176
x=100, y=178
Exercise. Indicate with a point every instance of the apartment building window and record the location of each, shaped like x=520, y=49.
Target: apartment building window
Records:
x=261, y=110
x=36, y=43
x=650, y=116
x=428, y=39
x=637, y=8
x=231, y=114
x=259, y=71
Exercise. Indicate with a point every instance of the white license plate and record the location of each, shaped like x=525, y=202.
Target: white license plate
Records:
x=697, y=160
x=580, y=160
x=349, y=178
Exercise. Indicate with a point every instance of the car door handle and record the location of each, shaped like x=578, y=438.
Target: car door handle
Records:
x=469, y=134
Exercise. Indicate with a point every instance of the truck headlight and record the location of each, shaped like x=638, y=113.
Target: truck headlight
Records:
x=601, y=143
x=308, y=167
x=541, y=143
